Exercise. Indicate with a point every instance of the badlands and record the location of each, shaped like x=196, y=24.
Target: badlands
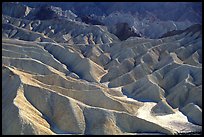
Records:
x=63, y=76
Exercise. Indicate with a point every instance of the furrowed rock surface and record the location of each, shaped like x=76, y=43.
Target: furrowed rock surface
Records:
x=62, y=76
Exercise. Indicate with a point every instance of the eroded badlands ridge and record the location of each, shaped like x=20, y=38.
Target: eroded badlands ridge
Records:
x=67, y=77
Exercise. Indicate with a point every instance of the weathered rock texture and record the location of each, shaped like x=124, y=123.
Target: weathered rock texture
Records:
x=66, y=77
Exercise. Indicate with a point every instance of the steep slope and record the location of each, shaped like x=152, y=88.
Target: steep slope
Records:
x=63, y=33
x=63, y=76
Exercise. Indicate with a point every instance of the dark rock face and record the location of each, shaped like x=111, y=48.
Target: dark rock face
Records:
x=13, y=9
x=191, y=11
x=123, y=31
x=45, y=12
x=194, y=28
x=90, y=20
x=190, y=133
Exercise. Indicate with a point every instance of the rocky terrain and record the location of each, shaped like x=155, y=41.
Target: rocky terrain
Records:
x=61, y=75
